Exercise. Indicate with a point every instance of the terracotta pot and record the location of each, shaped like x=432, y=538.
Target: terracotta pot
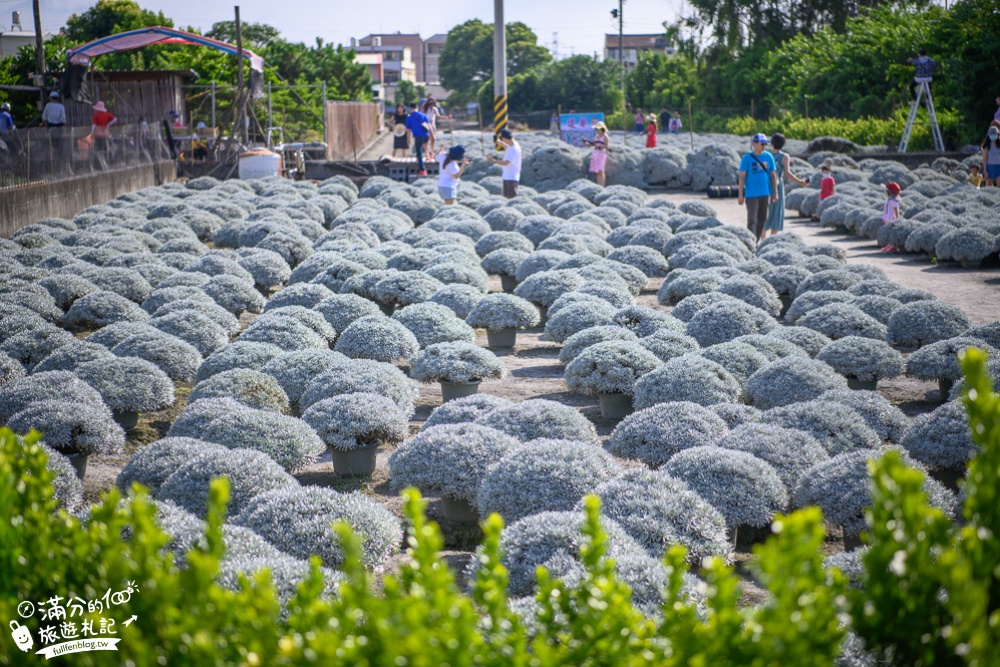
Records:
x=459, y=510
x=615, y=406
x=502, y=337
x=453, y=390
x=354, y=462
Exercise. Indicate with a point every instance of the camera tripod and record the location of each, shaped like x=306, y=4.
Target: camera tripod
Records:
x=922, y=87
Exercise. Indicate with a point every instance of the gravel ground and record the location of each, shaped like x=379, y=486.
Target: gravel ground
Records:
x=534, y=372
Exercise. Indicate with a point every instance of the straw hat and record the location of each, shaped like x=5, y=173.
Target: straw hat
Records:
x=399, y=130
x=100, y=107
x=600, y=126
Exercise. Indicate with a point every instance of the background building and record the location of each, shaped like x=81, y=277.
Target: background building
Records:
x=433, y=46
x=633, y=45
x=395, y=40
x=373, y=61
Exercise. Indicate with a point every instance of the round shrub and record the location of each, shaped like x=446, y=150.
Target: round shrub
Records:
x=539, y=418
x=968, y=245
x=351, y=421
x=98, y=309
x=830, y=280
x=835, y=426
x=250, y=473
x=362, y=376
x=740, y=359
x=862, y=358
x=67, y=487
x=173, y=356
x=919, y=323
x=377, y=337
x=544, y=287
x=659, y=511
x=645, y=321
x=164, y=295
x=503, y=240
x=772, y=348
x=735, y=414
x=342, y=309
x=449, y=460
x=575, y=318
x=294, y=370
x=543, y=475
x=990, y=333
x=939, y=361
x=456, y=362
x=888, y=421
x=269, y=269
x=841, y=487
x=722, y=322
x=233, y=294
x=607, y=270
x=791, y=380
x=746, y=490
x=212, y=310
x=70, y=428
x=655, y=434
x=879, y=307
x=651, y=262
x=665, y=344
x=66, y=288
x=30, y=347
x=942, y=438
x=252, y=388
x=789, y=452
x=465, y=409
x=288, y=441
x=20, y=392
x=460, y=299
x=432, y=323
x=611, y=367
x=299, y=520
x=687, y=378
x=503, y=262
x=754, y=291
x=11, y=369
x=809, y=340
x=241, y=354
x=617, y=295
x=839, y=320
x=406, y=287
x=300, y=294
x=579, y=342
x=194, y=328
x=128, y=384
x=810, y=301
x=151, y=465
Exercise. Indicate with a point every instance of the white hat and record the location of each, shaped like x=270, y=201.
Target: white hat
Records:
x=54, y=93
x=200, y=126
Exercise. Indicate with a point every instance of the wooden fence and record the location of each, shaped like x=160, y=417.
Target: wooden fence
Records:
x=350, y=126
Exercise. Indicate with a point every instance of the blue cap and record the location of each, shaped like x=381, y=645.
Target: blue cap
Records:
x=456, y=152
x=761, y=138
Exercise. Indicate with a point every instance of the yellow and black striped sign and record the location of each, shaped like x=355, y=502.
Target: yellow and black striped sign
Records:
x=499, y=116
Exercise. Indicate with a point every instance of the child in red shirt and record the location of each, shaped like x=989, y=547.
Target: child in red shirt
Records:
x=827, y=186
x=651, y=132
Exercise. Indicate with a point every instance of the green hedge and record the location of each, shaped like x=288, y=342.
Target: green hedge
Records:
x=930, y=593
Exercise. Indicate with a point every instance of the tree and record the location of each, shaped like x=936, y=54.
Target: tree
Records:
x=109, y=17
x=467, y=59
x=407, y=93
x=255, y=35
x=582, y=83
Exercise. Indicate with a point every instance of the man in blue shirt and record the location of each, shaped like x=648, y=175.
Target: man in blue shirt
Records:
x=419, y=128
x=758, y=184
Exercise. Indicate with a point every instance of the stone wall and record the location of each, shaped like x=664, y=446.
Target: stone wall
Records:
x=23, y=205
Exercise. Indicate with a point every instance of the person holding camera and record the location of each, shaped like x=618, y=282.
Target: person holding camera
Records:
x=453, y=163
x=511, y=163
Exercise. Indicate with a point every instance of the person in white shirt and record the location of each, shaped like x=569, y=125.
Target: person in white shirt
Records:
x=511, y=163
x=452, y=164
x=54, y=113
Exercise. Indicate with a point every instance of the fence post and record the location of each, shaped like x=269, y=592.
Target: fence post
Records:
x=213, y=104
x=326, y=140
x=270, y=119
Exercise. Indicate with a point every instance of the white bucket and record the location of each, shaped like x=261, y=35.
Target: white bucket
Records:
x=259, y=164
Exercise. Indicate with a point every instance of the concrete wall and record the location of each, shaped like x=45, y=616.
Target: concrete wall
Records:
x=22, y=206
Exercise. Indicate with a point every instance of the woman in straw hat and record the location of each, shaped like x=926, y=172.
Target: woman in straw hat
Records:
x=99, y=125
x=599, y=158
x=400, y=138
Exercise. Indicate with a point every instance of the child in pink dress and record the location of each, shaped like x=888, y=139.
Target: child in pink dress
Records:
x=599, y=157
x=891, y=210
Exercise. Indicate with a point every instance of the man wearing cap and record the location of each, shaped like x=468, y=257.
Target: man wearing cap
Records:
x=420, y=130
x=511, y=163
x=54, y=113
x=758, y=184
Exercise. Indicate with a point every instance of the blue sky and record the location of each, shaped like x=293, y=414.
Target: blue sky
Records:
x=580, y=24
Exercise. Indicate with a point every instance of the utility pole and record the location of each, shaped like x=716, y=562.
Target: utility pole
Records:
x=39, y=52
x=499, y=70
x=241, y=110
x=620, y=15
